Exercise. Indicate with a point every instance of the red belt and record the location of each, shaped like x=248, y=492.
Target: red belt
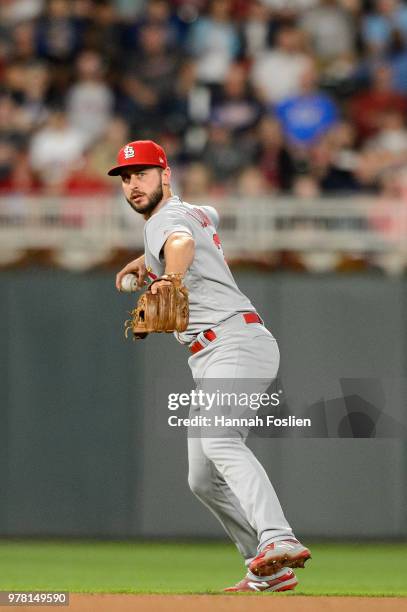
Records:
x=209, y=334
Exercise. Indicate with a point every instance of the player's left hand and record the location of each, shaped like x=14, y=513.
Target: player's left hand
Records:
x=163, y=307
x=158, y=284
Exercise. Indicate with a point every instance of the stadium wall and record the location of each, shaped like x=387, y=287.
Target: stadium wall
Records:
x=81, y=449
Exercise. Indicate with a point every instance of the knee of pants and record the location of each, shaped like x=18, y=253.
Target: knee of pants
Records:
x=200, y=483
x=220, y=449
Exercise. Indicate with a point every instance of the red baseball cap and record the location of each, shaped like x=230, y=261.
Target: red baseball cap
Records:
x=139, y=153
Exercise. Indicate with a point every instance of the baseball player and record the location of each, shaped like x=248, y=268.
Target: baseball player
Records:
x=227, y=340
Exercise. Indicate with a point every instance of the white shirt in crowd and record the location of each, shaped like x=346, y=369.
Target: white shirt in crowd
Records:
x=279, y=73
x=89, y=108
x=54, y=151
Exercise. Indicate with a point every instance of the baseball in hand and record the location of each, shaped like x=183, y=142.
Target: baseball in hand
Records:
x=129, y=283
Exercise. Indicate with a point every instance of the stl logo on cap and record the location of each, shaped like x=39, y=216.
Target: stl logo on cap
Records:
x=139, y=153
x=128, y=152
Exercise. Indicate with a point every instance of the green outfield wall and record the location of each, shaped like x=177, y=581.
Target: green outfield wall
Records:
x=80, y=450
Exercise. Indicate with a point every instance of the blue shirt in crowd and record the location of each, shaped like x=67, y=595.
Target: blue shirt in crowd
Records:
x=305, y=118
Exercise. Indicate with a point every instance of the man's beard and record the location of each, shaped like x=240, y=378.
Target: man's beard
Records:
x=152, y=201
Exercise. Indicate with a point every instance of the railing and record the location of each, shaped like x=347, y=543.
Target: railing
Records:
x=247, y=227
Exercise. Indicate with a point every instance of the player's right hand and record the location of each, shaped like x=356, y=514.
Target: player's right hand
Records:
x=136, y=267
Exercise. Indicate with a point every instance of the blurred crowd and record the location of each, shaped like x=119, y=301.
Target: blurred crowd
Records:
x=248, y=97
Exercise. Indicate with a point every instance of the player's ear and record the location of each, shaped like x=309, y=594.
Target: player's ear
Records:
x=166, y=176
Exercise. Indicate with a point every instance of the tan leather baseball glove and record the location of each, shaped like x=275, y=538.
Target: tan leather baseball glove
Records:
x=165, y=311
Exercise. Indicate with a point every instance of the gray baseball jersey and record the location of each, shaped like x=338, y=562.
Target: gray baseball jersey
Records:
x=213, y=293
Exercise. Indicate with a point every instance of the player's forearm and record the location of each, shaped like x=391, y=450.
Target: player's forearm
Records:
x=179, y=254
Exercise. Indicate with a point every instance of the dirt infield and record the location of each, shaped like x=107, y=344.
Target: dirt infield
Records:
x=229, y=603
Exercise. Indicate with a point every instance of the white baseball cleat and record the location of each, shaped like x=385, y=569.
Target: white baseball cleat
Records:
x=275, y=556
x=287, y=581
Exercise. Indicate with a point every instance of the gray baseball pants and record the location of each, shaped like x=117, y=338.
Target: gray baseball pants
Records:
x=223, y=472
